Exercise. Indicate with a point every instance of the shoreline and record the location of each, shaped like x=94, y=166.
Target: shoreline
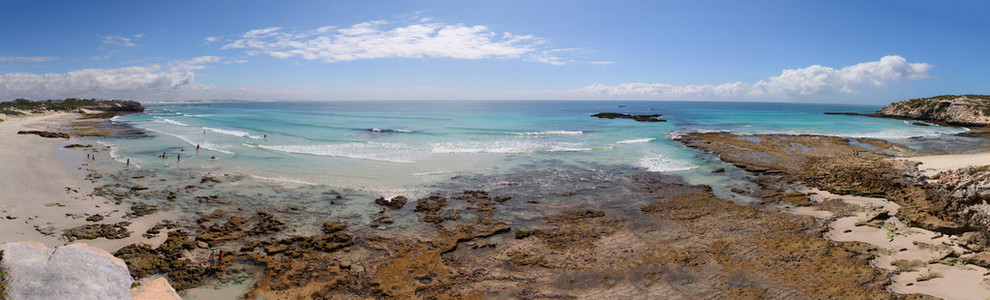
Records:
x=41, y=158
x=47, y=182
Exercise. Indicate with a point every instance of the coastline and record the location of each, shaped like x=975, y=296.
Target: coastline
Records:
x=45, y=182
x=41, y=168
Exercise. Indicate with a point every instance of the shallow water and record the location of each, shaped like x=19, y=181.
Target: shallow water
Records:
x=391, y=148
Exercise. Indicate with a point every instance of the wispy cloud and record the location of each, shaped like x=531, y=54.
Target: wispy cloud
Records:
x=423, y=38
x=119, y=40
x=815, y=80
x=99, y=82
x=212, y=39
x=27, y=58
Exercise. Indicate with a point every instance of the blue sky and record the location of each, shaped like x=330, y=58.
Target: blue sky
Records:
x=797, y=51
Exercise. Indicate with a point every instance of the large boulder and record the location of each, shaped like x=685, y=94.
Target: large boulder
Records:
x=75, y=271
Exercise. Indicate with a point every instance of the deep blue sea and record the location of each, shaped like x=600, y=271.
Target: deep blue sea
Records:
x=390, y=147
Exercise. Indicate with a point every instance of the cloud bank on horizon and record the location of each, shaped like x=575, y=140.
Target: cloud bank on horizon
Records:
x=791, y=84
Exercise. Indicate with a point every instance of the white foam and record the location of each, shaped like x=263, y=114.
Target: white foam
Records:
x=659, y=163
x=232, y=133
x=281, y=180
x=553, y=132
x=387, y=152
x=636, y=141
x=507, y=147
x=431, y=173
x=197, y=116
x=204, y=145
x=170, y=121
x=115, y=155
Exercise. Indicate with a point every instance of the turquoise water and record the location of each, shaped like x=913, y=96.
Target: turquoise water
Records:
x=394, y=147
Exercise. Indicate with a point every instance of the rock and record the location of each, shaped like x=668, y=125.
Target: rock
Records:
x=395, y=203
x=333, y=227
x=77, y=146
x=640, y=118
x=92, y=231
x=47, y=134
x=797, y=199
x=202, y=244
x=974, y=240
x=718, y=170
x=158, y=289
x=95, y=218
x=75, y=271
x=384, y=219
x=874, y=214
x=980, y=259
x=965, y=110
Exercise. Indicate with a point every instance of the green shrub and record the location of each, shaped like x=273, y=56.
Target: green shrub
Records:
x=3, y=279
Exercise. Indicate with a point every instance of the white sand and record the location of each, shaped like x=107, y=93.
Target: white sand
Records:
x=956, y=282
x=35, y=171
x=931, y=165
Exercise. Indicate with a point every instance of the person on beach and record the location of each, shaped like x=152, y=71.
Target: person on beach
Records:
x=178, y=157
x=128, y=162
x=266, y=136
x=213, y=157
x=197, y=148
x=220, y=260
x=212, y=258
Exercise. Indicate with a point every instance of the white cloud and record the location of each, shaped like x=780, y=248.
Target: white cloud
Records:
x=790, y=84
x=211, y=39
x=27, y=58
x=381, y=39
x=99, y=82
x=118, y=40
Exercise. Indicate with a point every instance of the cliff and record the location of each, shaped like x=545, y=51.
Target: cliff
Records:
x=965, y=110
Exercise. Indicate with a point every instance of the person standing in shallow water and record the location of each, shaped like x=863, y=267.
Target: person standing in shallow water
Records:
x=178, y=157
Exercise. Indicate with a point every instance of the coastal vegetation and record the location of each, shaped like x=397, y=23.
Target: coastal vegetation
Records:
x=22, y=106
x=3, y=278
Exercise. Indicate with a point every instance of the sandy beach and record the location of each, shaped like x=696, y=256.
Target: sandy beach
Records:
x=931, y=165
x=43, y=182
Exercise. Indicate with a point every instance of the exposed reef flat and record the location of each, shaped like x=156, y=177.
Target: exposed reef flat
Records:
x=947, y=206
x=626, y=233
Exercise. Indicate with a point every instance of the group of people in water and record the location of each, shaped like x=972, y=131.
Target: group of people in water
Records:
x=164, y=156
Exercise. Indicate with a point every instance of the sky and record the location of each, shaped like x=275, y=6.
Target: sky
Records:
x=865, y=52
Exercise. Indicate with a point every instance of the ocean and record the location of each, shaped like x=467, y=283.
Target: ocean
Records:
x=400, y=147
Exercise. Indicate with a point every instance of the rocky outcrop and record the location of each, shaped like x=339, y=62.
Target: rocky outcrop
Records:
x=47, y=134
x=75, y=271
x=965, y=110
x=640, y=118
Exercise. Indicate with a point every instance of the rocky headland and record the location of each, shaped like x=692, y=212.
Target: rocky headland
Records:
x=951, y=110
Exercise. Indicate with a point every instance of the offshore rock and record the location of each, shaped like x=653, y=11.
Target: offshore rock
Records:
x=639, y=118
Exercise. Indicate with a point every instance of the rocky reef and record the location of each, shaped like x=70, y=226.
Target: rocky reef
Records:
x=950, y=205
x=639, y=118
x=964, y=110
